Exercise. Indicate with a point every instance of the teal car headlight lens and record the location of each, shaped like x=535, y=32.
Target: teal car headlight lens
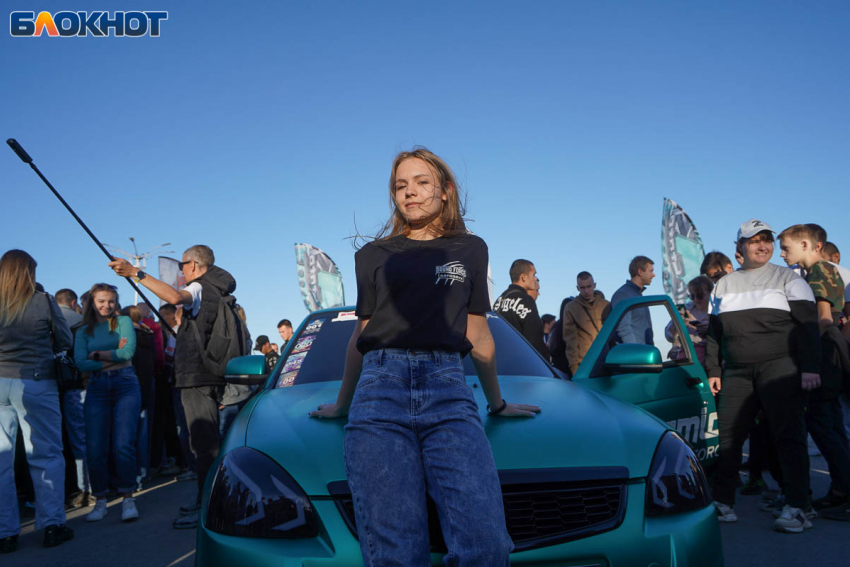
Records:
x=676, y=481
x=252, y=496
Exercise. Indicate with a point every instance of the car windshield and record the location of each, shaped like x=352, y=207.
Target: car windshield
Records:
x=318, y=352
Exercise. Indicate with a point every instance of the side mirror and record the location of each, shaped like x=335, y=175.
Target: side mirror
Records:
x=246, y=370
x=627, y=358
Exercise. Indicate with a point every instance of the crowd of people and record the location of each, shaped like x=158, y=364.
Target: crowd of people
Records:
x=773, y=341
x=152, y=397
x=146, y=401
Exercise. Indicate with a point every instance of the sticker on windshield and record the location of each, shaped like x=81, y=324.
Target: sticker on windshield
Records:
x=287, y=379
x=294, y=362
x=304, y=344
x=345, y=316
x=313, y=327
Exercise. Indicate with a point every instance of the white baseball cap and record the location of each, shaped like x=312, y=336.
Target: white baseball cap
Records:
x=751, y=228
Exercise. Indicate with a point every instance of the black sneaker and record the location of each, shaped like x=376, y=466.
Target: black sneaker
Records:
x=57, y=535
x=9, y=544
x=831, y=500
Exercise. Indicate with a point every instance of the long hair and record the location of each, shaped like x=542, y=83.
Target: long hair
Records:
x=449, y=221
x=90, y=312
x=17, y=285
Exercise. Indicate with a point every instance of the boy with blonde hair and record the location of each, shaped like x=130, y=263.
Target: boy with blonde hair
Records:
x=800, y=244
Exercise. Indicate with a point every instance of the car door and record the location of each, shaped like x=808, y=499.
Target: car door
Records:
x=675, y=389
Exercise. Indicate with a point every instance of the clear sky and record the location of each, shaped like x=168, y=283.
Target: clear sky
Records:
x=252, y=126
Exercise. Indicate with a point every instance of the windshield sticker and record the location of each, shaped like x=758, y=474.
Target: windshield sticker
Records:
x=304, y=344
x=287, y=379
x=294, y=362
x=313, y=327
x=345, y=316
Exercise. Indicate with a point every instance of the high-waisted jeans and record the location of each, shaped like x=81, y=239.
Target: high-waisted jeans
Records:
x=113, y=403
x=413, y=430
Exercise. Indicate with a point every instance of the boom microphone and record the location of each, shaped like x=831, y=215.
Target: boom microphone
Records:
x=25, y=157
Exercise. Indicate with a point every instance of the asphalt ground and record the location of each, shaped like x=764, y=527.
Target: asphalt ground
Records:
x=150, y=541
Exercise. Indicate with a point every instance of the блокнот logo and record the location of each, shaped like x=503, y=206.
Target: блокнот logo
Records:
x=82, y=24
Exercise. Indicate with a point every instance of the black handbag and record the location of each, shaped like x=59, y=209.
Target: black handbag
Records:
x=68, y=376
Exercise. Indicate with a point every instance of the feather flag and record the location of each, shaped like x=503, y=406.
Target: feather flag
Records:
x=681, y=249
x=319, y=278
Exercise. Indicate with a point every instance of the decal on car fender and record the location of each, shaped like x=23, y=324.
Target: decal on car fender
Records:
x=698, y=428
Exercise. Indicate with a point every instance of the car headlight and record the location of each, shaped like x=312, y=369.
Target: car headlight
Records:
x=252, y=496
x=676, y=481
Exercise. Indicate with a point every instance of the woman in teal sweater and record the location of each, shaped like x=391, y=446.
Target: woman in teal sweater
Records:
x=104, y=346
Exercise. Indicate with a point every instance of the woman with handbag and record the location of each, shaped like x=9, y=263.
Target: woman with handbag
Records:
x=104, y=346
x=32, y=329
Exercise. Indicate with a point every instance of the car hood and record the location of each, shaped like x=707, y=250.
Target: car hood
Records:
x=577, y=427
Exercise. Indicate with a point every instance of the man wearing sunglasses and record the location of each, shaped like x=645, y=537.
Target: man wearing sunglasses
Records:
x=200, y=389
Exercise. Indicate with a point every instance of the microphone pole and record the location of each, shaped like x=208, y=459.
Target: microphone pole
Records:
x=25, y=157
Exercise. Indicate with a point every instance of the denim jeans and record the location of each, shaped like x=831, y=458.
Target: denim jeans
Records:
x=34, y=406
x=73, y=402
x=413, y=430
x=113, y=403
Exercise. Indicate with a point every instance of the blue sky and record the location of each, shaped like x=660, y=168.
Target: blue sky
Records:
x=567, y=123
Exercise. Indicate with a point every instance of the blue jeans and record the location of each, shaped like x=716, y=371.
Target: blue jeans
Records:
x=73, y=402
x=34, y=406
x=413, y=430
x=113, y=403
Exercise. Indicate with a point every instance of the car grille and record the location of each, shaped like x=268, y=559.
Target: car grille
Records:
x=536, y=514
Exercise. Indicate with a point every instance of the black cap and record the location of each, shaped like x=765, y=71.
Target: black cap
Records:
x=262, y=341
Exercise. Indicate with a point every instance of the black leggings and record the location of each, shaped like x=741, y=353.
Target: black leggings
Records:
x=775, y=387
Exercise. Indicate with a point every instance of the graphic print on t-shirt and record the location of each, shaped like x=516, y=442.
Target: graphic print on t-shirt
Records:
x=451, y=273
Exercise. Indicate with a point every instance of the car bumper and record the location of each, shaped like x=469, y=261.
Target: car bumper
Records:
x=690, y=539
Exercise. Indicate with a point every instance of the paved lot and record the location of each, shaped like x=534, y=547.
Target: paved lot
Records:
x=152, y=542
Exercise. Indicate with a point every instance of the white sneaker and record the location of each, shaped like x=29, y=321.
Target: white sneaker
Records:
x=99, y=511
x=128, y=510
x=725, y=513
x=792, y=520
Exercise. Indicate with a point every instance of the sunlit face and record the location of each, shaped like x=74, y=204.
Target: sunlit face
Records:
x=792, y=251
x=191, y=269
x=285, y=332
x=647, y=275
x=756, y=251
x=530, y=282
x=104, y=303
x=586, y=287
x=417, y=192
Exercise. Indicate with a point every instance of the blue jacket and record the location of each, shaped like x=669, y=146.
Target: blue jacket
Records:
x=636, y=325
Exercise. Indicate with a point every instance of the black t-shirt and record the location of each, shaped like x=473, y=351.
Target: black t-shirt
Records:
x=417, y=293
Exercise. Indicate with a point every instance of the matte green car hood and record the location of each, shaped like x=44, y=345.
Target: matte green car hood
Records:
x=577, y=428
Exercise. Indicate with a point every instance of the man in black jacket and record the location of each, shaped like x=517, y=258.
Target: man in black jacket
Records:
x=200, y=389
x=517, y=304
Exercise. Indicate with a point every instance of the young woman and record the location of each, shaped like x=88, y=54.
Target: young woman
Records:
x=32, y=328
x=104, y=346
x=413, y=424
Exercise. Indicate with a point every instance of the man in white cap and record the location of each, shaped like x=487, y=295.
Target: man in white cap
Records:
x=763, y=353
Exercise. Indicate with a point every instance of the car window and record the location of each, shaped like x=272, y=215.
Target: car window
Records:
x=318, y=351
x=650, y=323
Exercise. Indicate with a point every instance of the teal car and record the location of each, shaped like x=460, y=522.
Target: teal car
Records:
x=591, y=481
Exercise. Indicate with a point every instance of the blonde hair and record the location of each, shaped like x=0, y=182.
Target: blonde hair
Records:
x=800, y=232
x=133, y=312
x=90, y=312
x=17, y=285
x=449, y=221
